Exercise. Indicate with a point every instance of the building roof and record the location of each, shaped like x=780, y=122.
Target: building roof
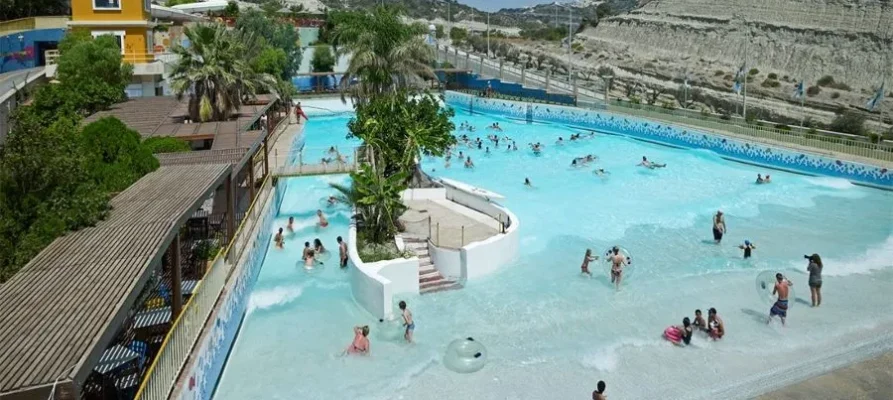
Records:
x=226, y=156
x=164, y=116
x=60, y=312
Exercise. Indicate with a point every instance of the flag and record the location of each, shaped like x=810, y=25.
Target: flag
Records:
x=739, y=77
x=798, y=91
x=876, y=99
x=736, y=87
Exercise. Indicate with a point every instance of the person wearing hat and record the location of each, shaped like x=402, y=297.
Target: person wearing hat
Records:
x=719, y=226
x=748, y=248
x=815, y=278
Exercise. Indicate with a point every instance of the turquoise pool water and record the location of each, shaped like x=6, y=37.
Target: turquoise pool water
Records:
x=552, y=334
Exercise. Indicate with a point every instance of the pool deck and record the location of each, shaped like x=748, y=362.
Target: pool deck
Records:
x=282, y=146
x=868, y=380
x=452, y=225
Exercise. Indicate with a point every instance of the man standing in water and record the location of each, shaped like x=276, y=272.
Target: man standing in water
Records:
x=719, y=226
x=780, y=308
x=342, y=251
x=618, y=261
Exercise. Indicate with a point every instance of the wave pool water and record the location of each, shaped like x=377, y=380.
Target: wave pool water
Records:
x=551, y=333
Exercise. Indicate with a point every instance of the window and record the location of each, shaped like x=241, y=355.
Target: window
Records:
x=119, y=37
x=106, y=4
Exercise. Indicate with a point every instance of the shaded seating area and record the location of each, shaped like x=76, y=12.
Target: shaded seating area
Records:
x=87, y=315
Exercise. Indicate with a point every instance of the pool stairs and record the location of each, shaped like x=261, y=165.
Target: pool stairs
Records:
x=430, y=280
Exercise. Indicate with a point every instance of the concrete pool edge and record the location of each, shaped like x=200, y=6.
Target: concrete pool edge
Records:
x=681, y=136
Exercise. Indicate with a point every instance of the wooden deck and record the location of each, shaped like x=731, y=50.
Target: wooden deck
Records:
x=60, y=312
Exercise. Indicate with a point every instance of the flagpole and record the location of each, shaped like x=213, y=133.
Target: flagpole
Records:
x=746, y=72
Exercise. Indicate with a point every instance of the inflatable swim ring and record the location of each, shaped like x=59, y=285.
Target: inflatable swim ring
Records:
x=465, y=356
x=765, y=283
x=324, y=256
x=627, y=270
x=673, y=334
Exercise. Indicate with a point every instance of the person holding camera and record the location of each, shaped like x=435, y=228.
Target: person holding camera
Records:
x=815, y=278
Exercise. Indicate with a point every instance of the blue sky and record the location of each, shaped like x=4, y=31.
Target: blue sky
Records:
x=493, y=5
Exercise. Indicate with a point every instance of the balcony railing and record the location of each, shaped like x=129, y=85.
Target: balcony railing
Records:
x=139, y=58
x=32, y=23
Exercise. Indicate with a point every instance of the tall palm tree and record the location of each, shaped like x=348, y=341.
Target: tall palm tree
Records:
x=386, y=54
x=215, y=71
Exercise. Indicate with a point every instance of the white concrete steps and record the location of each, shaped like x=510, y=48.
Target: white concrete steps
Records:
x=430, y=279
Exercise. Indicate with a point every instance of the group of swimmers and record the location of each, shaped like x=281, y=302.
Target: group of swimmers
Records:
x=680, y=335
x=575, y=137
x=361, y=345
x=761, y=180
x=465, y=126
x=618, y=262
x=333, y=155
x=310, y=254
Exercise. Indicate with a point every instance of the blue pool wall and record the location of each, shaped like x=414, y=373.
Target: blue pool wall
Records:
x=214, y=347
x=663, y=133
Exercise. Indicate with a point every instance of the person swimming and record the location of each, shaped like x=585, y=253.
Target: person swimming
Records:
x=360, y=344
x=560, y=140
x=279, y=239
x=323, y=222
x=290, y=226
x=310, y=259
x=716, y=329
x=537, y=148
x=699, y=322
x=601, y=172
x=527, y=182
x=574, y=163
x=469, y=163
x=649, y=164
x=488, y=151
x=680, y=335
x=318, y=247
x=767, y=179
x=331, y=201
x=760, y=179
x=306, y=250
x=748, y=248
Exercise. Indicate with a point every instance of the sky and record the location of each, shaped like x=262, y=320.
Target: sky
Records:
x=494, y=5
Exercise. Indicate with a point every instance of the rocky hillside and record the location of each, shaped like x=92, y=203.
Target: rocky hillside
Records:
x=844, y=39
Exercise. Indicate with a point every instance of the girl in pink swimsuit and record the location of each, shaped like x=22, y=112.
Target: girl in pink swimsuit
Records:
x=360, y=343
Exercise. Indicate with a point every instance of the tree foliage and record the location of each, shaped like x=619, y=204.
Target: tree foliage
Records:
x=216, y=73
x=270, y=61
x=92, y=73
x=15, y=9
x=400, y=128
x=377, y=199
x=166, y=144
x=386, y=54
x=276, y=34
x=458, y=34
x=323, y=59
x=114, y=155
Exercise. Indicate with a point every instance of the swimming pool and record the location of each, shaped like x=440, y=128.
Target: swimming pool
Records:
x=550, y=333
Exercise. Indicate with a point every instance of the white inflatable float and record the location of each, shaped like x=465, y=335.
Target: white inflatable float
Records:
x=465, y=356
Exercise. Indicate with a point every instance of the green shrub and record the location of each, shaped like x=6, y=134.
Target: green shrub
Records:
x=649, y=65
x=753, y=71
x=166, y=144
x=718, y=73
x=635, y=100
x=770, y=83
x=669, y=105
x=115, y=156
x=782, y=127
x=835, y=95
x=813, y=91
x=772, y=75
x=840, y=86
x=852, y=122
x=825, y=80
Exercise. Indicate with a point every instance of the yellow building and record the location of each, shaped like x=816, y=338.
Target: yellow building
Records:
x=130, y=21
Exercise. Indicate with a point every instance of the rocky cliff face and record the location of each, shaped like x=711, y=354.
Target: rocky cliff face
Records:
x=849, y=40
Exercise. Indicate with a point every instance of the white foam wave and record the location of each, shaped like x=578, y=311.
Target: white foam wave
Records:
x=264, y=299
x=834, y=183
x=606, y=358
x=878, y=257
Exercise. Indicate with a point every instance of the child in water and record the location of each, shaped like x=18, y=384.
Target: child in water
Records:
x=587, y=258
x=279, y=239
x=748, y=248
x=407, y=321
x=323, y=222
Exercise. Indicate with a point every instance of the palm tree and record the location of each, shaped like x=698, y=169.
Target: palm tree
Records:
x=377, y=200
x=215, y=71
x=386, y=54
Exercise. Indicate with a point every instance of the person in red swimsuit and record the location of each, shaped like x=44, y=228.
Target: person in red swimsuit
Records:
x=300, y=113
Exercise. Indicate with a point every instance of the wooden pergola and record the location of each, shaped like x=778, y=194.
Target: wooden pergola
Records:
x=63, y=309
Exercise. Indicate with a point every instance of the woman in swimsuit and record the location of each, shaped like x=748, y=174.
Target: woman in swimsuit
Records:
x=317, y=245
x=322, y=219
x=279, y=239
x=360, y=343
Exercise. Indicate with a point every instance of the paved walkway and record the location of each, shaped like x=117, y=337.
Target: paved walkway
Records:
x=452, y=225
x=867, y=380
x=281, y=147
